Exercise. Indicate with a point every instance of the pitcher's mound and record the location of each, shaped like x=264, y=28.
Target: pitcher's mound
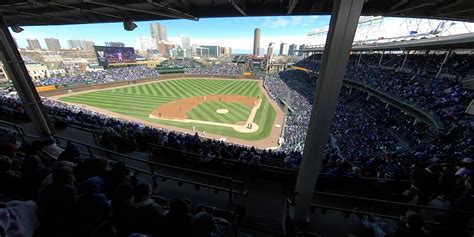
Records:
x=222, y=111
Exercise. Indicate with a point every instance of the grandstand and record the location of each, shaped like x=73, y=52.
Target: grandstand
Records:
x=370, y=133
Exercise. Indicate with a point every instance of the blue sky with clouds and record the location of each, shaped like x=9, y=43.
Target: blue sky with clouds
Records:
x=232, y=32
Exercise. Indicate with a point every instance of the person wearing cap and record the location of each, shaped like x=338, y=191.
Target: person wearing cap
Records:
x=466, y=168
x=425, y=183
x=411, y=226
x=93, y=207
x=50, y=148
x=144, y=216
x=55, y=167
x=57, y=202
x=71, y=153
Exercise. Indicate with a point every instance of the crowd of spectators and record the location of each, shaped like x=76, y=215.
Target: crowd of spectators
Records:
x=182, y=63
x=217, y=69
x=111, y=74
x=368, y=137
x=59, y=192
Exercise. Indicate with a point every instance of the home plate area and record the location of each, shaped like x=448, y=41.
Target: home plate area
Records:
x=178, y=109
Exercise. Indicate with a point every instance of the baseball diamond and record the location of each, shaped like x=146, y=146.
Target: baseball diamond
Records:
x=192, y=104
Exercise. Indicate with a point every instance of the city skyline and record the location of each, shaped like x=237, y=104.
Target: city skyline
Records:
x=224, y=32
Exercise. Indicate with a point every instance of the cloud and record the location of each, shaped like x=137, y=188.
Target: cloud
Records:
x=278, y=22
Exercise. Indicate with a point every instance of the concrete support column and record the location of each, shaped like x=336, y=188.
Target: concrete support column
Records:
x=18, y=74
x=444, y=62
x=342, y=28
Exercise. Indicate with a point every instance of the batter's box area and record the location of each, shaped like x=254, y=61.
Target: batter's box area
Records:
x=233, y=111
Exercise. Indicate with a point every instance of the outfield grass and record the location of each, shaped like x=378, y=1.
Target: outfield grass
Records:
x=140, y=100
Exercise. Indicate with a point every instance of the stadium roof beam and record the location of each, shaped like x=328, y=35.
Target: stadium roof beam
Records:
x=170, y=9
x=41, y=15
x=291, y=6
x=143, y=10
x=456, y=12
x=463, y=41
x=450, y=5
x=240, y=9
x=413, y=7
x=399, y=4
x=129, y=8
x=84, y=10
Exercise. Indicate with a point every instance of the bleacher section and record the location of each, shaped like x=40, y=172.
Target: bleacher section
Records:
x=392, y=127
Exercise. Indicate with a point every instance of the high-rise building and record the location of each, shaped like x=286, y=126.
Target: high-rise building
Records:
x=261, y=52
x=74, y=44
x=158, y=31
x=52, y=44
x=165, y=47
x=225, y=50
x=81, y=44
x=201, y=51
x=256, y=41
x=87, y=45
x=186, y=45
x=213, y=50
x=114, y=44
x=146, y=43
x=292, y=50
x=270, y=50
x=33, y=44
x=300, y=53
x=283, y=48
x=185, y=42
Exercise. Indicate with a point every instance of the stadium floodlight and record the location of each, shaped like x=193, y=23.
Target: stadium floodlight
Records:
x=17, y=29
x=129, y=25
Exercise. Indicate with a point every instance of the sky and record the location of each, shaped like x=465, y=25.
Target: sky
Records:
x=236, y=32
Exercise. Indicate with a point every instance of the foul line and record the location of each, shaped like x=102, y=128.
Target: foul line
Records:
x=239, y=128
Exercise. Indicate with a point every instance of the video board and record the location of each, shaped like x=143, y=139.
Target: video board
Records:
x=111, y=55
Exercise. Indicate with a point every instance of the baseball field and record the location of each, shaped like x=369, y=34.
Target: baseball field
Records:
x=225, y=107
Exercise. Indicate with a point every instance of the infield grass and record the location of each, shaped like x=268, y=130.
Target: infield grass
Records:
x=140, y=100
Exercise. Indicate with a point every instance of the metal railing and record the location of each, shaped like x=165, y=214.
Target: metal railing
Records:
x=13, y=128
x=346, y=212
x=276, y=169
x=394, y=203
x=152, y=170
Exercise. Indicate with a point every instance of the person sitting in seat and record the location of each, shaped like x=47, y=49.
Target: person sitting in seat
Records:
x=50, y=148
x=93, y=207
x=411, y=225
x=178, y=219
x=57, y=203
x=32, y=173
x=425, y=183
x=144, y=216
x=71, y=153
x=466, y=168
